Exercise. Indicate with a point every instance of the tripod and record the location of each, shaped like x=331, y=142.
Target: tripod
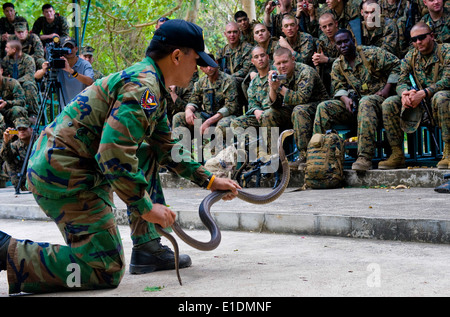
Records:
x=52, y=87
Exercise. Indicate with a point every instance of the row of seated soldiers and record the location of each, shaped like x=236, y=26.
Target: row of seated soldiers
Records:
x=330, y=79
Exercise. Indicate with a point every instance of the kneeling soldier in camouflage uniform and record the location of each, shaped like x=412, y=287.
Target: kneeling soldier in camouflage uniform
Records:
x=368, y=72
x=258, y=94
x=214, y=100
x=428, y=64
x=98, y=145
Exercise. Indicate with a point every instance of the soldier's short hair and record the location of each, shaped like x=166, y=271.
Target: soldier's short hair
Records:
x=15, y=44
x=8, y=5
x=341, y=31
x=240, y=14
x=282, y=51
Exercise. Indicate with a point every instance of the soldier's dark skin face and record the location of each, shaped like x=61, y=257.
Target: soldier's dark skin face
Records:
x=345, y=45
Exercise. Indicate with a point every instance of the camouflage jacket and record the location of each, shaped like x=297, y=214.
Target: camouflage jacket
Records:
x=12, y=93
x=33, y=47
x=431, y=72
x=238, y=60
x=224, y=95
x=25, y=68
x=304, y=47
x=382, y=67
x=328, y=48
x=258, y=94
x=14, y=154
x=184, y=94
x=440, y=28
x=350, y=12
x=277, y=19
x=58, y=26
x=386, y=36
x=304, y=86
x=92, y=144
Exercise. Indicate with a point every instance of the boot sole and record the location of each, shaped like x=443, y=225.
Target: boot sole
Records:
x=390, y=167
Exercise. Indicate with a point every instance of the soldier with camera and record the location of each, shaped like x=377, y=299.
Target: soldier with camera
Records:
x=213, y=100
x=293, y=101
x=73, y=73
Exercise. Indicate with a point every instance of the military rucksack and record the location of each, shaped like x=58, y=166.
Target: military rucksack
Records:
x=325, y=161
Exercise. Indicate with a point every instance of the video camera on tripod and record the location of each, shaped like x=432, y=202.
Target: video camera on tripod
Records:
x=55, y=52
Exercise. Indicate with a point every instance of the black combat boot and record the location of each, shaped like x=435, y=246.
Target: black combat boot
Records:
x=444, y=188
x=4, y=243
x=153, y=256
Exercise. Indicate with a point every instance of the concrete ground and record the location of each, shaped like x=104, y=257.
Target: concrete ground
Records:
x=276, y=265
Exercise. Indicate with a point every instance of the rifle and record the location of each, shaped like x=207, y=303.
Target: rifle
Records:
x=223, y=64
x=427, y=118
x=411, y=14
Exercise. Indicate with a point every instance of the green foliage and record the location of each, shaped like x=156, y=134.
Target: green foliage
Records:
x=121, y=30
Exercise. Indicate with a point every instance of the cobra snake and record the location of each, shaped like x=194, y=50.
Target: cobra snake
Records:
x=215, y=196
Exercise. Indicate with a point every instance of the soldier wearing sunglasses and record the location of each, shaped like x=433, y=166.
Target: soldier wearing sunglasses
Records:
x=429, y=64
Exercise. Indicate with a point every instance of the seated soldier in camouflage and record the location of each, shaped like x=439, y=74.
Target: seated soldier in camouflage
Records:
x=438, y=19
x=12, y=99
x=234, y=59
x=245, y=27
x=50, y=24
x=258, y=98
x=369, y=74
x=265, y=40
x=213, y=101
x=179, y=98
x=306, y=15
x=87, y=53
x=273, y=21
x=31, y=44
x=293, y=101
x=21, y=67
x=7, y=25
x=300, y=44
x=14, y=152
x=392, y=9
x=343, y=11
x=429, y=65
x=327, y=51
x=377, y=30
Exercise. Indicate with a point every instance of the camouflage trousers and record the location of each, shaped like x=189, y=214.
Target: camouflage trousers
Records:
x=179, y=120
x=31, y=97
x=369, y=118
x=14, y=168
x=250, y=121
x=303, y=121
x=276, y=118
x=440, y=104
x=93, y=257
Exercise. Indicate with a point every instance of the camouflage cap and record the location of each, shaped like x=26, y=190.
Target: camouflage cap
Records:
x=22, y=122
x=410, y=118
x=87, y=50
x=20, y=26
x=68, y=40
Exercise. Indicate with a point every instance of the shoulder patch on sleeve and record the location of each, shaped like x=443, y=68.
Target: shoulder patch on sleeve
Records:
x=148, y=101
